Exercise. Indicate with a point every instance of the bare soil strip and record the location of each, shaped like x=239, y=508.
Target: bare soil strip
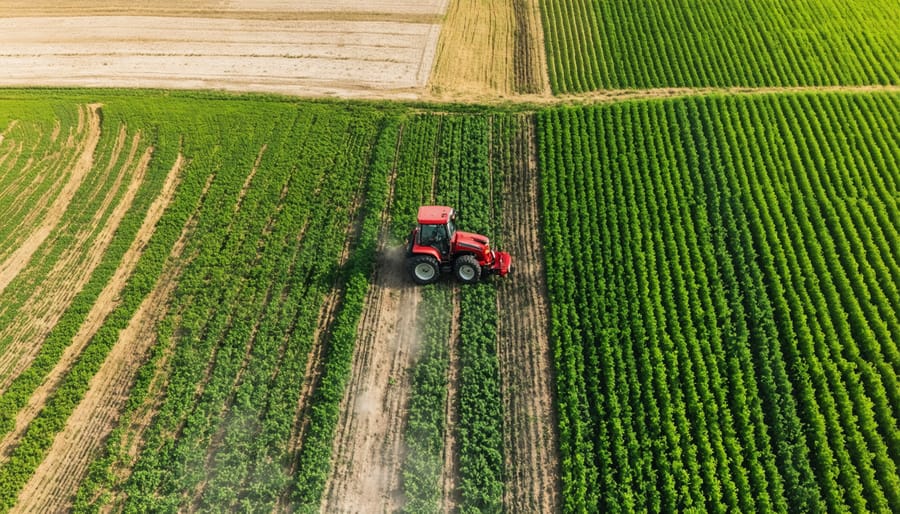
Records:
x=530, y=439
x=56, y=479
x=50, y=298
x=13, y=264
x=106, y=302
x=368, y=447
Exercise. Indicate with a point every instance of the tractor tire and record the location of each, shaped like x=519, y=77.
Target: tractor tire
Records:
x=424, y=269
x=467, y=269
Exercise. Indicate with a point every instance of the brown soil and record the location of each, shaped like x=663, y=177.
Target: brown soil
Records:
x=530, y=60
x=451, y=448
x=56, y=479
x=368, y=448
x=530, y=442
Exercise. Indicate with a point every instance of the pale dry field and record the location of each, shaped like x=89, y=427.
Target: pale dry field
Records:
x=345, y=49
x=491, y=50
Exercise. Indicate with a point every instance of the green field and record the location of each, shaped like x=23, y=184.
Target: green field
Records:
x=723, y=277
x=722, y=273
x=616, y=44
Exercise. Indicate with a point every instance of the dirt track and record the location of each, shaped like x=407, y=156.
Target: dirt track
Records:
x=368, y=446
x=530, y=443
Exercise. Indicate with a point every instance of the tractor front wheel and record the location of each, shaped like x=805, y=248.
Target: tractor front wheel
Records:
x=424, y=269
x=467, y=269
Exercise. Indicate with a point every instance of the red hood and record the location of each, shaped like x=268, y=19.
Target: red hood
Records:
x=476, y=242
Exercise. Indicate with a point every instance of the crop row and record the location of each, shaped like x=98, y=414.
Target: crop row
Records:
x=31, y=164
x=447, y=160
x=427, y=423
x=314, y=462
x=67, y=238
x=465, y=180
x=707, y=261
x=33, y=445
x=271, y=204
x=610, y=44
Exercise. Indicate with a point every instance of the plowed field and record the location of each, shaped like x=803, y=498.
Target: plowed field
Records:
x=347, y=49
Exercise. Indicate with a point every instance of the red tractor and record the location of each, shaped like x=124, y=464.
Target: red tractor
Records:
x=436, y=246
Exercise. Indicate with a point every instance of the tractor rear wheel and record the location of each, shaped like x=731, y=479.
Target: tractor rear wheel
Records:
x=467, y=269
x=424, y=269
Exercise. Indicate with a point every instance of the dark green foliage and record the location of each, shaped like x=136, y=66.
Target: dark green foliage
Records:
x=724, y=312
x=617, y=44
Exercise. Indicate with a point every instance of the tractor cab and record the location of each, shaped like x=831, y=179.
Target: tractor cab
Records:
x=436, y=246
x=437, y=230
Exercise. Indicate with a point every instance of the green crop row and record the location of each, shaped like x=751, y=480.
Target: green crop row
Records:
x=33, y=445
x=707, y=261
x=466, y=180
x=447, y=160
x=74, y=234
x=14, y=398
x=32, y=164
x=427, y=423
x=314, y=461
x=612, y=44
x=267, y=199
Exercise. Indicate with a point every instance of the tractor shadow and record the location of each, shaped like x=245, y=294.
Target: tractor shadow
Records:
x=391, y=272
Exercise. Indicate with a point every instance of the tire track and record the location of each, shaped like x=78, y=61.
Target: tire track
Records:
x=530, y=439
x=451, y=447
x=369, y=449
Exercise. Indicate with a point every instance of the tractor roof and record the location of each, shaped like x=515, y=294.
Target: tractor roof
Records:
x=434, y=214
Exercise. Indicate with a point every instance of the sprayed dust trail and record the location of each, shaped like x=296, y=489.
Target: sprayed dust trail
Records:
x=368, y=448
x=13, y=264
x=56, y=479
x=530, y=439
